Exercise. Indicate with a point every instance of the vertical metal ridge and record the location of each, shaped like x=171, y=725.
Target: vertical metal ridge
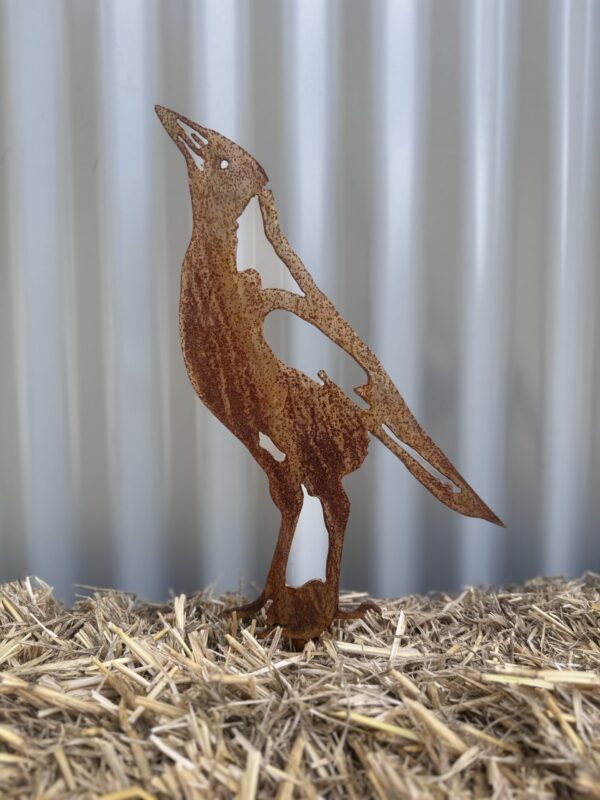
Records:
x=591, y=552
x=127, y=227
x=86, y=360
x=13, y=428
x=443, y=309
x=489, y=33
x=400, y=40
x=165, y=318
x=37, y=152
x=568, y=385
x=70, y=294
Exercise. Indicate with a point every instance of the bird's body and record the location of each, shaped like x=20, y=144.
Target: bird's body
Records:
x=321, y=433
x=243, y=382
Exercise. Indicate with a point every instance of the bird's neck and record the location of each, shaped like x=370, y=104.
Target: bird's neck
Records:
x=219, y=226
x=215, y=243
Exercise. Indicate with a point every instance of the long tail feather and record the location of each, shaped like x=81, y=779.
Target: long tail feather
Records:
x=396, y=427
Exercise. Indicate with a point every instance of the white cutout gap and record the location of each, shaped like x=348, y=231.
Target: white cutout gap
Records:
x=308, y=554
x=269, y=445
x=255, y=252
x=423, y=462
x=198, y=160
x=192, y=133
x=304, y=347
x=196, y=139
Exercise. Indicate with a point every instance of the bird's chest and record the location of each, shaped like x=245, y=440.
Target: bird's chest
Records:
x=221, y=328
x=218, y=317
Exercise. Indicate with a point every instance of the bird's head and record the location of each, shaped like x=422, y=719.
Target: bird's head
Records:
x=223, y=177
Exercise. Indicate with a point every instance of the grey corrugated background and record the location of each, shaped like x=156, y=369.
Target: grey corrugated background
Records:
x=437, y=166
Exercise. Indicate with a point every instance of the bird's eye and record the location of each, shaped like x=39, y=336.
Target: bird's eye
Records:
x=224, y=164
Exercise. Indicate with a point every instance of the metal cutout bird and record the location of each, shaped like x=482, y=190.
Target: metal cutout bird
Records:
x=322, y=435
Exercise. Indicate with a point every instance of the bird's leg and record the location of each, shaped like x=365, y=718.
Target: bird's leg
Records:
x=290, y=505
x=306, y=611
x=275, y=583
x=337, y=511
x=278, y=568
x=287, y=496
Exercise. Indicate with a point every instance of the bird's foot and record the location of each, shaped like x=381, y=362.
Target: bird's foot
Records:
x=250, y=609
x=358, y=612
x=303, y=612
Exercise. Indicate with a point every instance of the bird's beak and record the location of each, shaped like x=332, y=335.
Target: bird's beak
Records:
x=189, y=137
x=169, y=121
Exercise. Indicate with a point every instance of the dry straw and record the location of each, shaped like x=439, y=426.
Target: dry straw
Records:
x=488, y=694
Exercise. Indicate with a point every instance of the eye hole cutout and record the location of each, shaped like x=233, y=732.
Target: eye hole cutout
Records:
x=198, y=140
x=224, y=163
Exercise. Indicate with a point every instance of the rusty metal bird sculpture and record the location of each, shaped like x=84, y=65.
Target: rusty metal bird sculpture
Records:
x=322, y=434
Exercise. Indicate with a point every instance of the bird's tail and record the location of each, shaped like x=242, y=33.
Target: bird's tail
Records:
x=392, y=422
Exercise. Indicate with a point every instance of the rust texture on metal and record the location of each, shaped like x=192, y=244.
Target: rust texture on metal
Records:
x=322, y=434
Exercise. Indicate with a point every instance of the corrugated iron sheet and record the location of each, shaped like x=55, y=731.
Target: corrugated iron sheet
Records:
x=437, y=167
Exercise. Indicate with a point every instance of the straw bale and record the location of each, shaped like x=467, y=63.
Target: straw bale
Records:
x=489, y=693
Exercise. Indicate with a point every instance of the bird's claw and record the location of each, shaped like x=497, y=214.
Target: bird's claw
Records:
x=249, y=609
x=358, y=612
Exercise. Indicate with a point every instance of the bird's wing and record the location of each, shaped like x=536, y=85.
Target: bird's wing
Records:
x=389, y=418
